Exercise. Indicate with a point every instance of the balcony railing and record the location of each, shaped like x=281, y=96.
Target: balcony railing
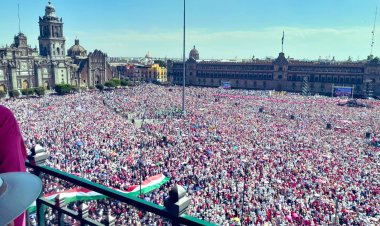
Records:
x=35, y=163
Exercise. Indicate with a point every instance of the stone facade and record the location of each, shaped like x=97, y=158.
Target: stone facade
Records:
x=24, y=67
x=157, y=73
x=281, y=74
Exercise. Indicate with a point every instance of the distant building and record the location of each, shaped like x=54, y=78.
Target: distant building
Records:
x=90, y=69
x=157, y=73
x=280, y=74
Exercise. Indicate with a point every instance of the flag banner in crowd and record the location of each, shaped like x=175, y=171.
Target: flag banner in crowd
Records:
x=84, y=194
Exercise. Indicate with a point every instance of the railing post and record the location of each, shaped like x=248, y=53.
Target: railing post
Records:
x=109, y=220
x=37, y=157
x=177, y=202
x=60, y=203
x=83, y=212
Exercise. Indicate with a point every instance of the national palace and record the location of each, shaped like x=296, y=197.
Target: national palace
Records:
x=280, y=74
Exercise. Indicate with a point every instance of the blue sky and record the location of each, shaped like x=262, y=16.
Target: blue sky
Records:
x=220, y=29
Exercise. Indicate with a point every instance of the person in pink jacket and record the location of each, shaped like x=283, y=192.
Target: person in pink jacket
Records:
x=12, y=149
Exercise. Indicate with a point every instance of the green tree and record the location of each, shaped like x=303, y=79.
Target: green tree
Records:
x=2, y=94
x=116, y=82
x=14, y=93
x=24, y=92
x=40, y=91
x=63, y=89
x=100, y=87
x=109, y=84
x=30, y=91
x=124, y=82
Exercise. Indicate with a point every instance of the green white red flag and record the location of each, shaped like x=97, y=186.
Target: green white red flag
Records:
x=84, y=194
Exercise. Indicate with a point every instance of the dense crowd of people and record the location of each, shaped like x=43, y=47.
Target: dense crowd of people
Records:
x=244, y=157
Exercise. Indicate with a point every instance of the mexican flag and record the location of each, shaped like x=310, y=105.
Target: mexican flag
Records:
x=83, y=194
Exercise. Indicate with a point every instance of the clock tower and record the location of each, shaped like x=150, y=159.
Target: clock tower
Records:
x=51, y=39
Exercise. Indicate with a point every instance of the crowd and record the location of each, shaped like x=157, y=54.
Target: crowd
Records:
x=243, y=156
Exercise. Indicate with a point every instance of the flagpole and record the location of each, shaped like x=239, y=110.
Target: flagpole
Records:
x=282, y=45
x=184, y=63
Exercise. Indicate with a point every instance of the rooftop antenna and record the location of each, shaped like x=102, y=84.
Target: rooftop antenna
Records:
x=373, y=32
x=19, y=22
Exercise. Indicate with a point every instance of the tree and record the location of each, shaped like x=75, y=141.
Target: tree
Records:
x=14, y=93
x=124, y=82
x=113, y=83
x=100, y=87
x=29, y=91
x=116, y=82
x=63, y=89
x=2, y=94
x=109, y=84
x=40, y=91
x=24, y=92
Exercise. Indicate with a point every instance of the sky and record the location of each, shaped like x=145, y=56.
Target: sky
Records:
x=223, y=29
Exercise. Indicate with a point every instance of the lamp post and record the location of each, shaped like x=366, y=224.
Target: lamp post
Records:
x=184, y=62
x=140, y=167
x=245, y=172
x=336, y=211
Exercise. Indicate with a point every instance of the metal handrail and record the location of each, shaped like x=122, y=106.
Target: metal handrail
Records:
x=126, y=198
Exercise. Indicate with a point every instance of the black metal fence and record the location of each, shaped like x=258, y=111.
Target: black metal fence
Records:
x=82, y=216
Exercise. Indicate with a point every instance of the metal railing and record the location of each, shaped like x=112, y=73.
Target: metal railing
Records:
x=35, y=163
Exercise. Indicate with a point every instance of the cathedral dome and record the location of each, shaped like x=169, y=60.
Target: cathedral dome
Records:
x=77, y=50
x=194, y=54
x=148, y=56
x=50, y=10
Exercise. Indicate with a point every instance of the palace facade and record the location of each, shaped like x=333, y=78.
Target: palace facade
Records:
x=22, y=66
x=281, y=74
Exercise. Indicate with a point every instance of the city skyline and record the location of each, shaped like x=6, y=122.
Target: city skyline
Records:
x=232, y=29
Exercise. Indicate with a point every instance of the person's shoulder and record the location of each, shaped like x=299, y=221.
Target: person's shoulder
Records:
x=6, y=116
x=5, y=111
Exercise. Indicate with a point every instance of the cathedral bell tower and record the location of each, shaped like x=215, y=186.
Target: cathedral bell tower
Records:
x=51, y=40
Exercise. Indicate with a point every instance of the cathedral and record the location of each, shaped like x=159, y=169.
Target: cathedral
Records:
x=24, y=67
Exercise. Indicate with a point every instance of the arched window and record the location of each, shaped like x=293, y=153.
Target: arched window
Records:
x=25, y=84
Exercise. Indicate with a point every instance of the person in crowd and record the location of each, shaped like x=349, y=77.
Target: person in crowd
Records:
x=271, y=150
x=12, y=149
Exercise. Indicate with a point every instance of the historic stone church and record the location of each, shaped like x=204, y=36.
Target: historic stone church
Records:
x=24, y=67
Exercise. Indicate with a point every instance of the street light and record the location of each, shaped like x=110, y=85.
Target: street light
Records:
x=141, y=163
x=184, y=63
x=245, y=172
